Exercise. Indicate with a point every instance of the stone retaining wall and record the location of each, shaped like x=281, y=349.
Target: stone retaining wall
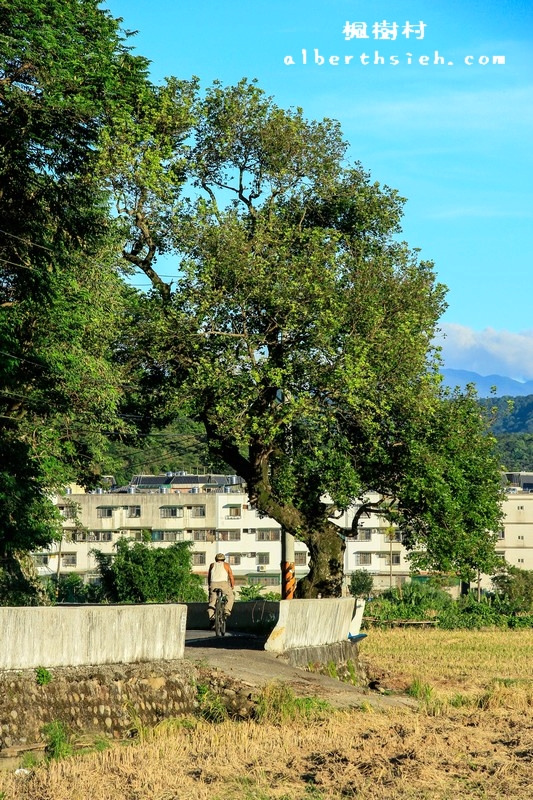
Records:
x=109, y=700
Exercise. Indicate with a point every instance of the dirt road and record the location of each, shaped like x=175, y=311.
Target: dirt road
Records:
x=243, y=659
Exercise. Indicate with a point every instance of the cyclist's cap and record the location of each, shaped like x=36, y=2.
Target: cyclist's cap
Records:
x=220, y=557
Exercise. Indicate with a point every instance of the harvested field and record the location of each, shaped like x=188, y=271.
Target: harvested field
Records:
x=472, y=737
x=466, y=662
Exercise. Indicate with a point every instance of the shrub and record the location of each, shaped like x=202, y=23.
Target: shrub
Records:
x=57, y=740
x=515, y=587
x=361, y=583
x=417, y=602
x=251, y=591
x=140, y=573
x=467, y=612
x=42, y=676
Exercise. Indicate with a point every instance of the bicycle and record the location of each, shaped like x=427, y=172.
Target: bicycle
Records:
x=220, y=612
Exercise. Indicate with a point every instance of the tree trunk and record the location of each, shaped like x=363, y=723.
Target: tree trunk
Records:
x=19, y=582
x=326, y=564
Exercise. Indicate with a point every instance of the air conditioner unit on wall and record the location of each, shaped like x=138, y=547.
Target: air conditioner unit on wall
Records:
x=261, y=568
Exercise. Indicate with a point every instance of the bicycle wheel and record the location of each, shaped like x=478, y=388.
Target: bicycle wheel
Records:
x=220, y=617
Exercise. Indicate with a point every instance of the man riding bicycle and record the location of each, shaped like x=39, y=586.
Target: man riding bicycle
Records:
x=219, y=576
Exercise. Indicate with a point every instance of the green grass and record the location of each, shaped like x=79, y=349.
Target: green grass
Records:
x=42, y=676
x=277, y=704
x=57, y=740
x=420, y=691
x=211, y=706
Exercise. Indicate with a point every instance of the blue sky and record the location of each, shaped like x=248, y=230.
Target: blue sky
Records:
x=456, y=139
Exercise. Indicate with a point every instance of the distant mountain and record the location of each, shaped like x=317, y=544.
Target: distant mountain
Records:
x=505, y=387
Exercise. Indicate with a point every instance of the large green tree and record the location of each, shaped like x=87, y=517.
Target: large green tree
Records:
x=65, y=71
x=298, y=328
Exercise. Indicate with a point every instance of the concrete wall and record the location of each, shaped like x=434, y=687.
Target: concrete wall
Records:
x=290, y=624
x=310, y=623
x=57, y=636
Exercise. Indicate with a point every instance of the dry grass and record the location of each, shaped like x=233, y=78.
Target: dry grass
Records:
x=468, y=662
x=483, y=750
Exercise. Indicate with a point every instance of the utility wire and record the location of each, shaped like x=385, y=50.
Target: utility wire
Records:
x=15, y=264
x=19, y=358
x=26, y=241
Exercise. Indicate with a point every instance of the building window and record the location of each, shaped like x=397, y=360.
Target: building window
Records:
x=97, y=536
x=501, y=534
x=300, y=558
x=234, y=559
x=67, y=512
x=520, y=508
x=228, y=536
x=363, y=559
x=166, y=512
x=197, y=511
x=167, y=536
x=79, y=536
x=395, y=537
x=267, y=580
x=520, y=560
x=395, y=560
x=199, y=536
x=249, y=530
x=234, y=512
x=263, y=558
x=268, y=535
x=134, y=511
x=40, y=560
x=521, y=538
x=364, y=535
x=69, y=560
x=104, y=512
x=198, y=559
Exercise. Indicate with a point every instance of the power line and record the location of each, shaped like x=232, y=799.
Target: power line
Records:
x=15, y=264
x=26, y=241
x=19, y=358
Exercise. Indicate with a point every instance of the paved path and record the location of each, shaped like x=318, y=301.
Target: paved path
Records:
x=243, y=659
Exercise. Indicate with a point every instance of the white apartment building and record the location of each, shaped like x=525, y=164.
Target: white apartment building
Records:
x=213, y=513
x=213, y=517
x=516, y=537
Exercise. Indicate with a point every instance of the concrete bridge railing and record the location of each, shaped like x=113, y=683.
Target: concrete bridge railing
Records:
x=69, y=636
x=290, y=624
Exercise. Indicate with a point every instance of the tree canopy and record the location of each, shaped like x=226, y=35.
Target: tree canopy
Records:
x=296, y=331
x=65, y=70
x=298, y=328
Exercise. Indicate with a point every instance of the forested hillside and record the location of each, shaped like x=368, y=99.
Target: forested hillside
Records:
x=513, y=428
x=180, y=446
x=183, y=446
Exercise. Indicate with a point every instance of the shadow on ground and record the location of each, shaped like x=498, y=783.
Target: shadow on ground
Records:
x=231, y=641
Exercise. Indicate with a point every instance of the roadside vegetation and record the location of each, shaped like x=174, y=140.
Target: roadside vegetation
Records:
x=510, y=605
x=468, y=732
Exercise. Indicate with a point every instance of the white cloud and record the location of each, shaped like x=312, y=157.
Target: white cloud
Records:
x=487, y=352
